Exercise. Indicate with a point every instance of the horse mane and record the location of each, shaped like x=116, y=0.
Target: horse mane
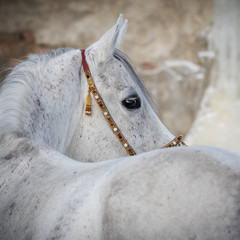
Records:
x=16, y=91
x=124, y=60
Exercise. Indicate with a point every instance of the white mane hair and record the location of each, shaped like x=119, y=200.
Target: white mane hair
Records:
x=16, y=91
x=17, y=98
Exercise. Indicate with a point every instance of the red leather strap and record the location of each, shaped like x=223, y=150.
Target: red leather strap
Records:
x=84, y=62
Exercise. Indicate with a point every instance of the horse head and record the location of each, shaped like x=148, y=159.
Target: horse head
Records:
x=127, y=101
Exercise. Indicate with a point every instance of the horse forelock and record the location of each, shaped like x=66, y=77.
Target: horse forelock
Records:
x=124, y=60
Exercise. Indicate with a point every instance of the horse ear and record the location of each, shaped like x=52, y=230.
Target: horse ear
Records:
x=121, y=34
x=104, y=47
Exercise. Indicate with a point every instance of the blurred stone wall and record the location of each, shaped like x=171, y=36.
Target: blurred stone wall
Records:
x=166, y=40
x=218, y=119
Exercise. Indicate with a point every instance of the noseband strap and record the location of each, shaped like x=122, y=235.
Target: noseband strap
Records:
x=93, y=89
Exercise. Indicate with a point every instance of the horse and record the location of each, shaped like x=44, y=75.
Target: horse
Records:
x=83, y=155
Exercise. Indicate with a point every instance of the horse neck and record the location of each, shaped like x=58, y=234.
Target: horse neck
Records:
x=40, y=100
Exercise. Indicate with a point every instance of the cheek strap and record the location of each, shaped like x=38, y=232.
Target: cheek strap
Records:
x=93, y=89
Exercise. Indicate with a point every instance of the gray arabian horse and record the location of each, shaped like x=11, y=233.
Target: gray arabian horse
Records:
x=55, y=182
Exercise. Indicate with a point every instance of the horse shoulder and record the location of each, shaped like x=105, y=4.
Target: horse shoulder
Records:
x=180, y=193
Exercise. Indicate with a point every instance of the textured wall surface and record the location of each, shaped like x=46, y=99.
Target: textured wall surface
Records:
x=218, y=120
x=158, y=29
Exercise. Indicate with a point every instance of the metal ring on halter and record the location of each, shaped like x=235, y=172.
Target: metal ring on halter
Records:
x=93, y=89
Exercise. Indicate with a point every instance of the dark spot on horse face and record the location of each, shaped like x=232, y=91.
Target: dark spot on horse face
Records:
x=38, y=102
x=57, y=233
x=102, y=76
x=57, y=227
x=9, y=156
x=11, y=208
x=12, y=205
x=25, y=179
x=104, y=80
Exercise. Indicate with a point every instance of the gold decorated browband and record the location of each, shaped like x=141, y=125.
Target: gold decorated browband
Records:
x=93, y=89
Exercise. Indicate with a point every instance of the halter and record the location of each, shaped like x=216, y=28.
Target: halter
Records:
x=93, y=89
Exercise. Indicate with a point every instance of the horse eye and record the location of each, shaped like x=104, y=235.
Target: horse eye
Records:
x=132, y=102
